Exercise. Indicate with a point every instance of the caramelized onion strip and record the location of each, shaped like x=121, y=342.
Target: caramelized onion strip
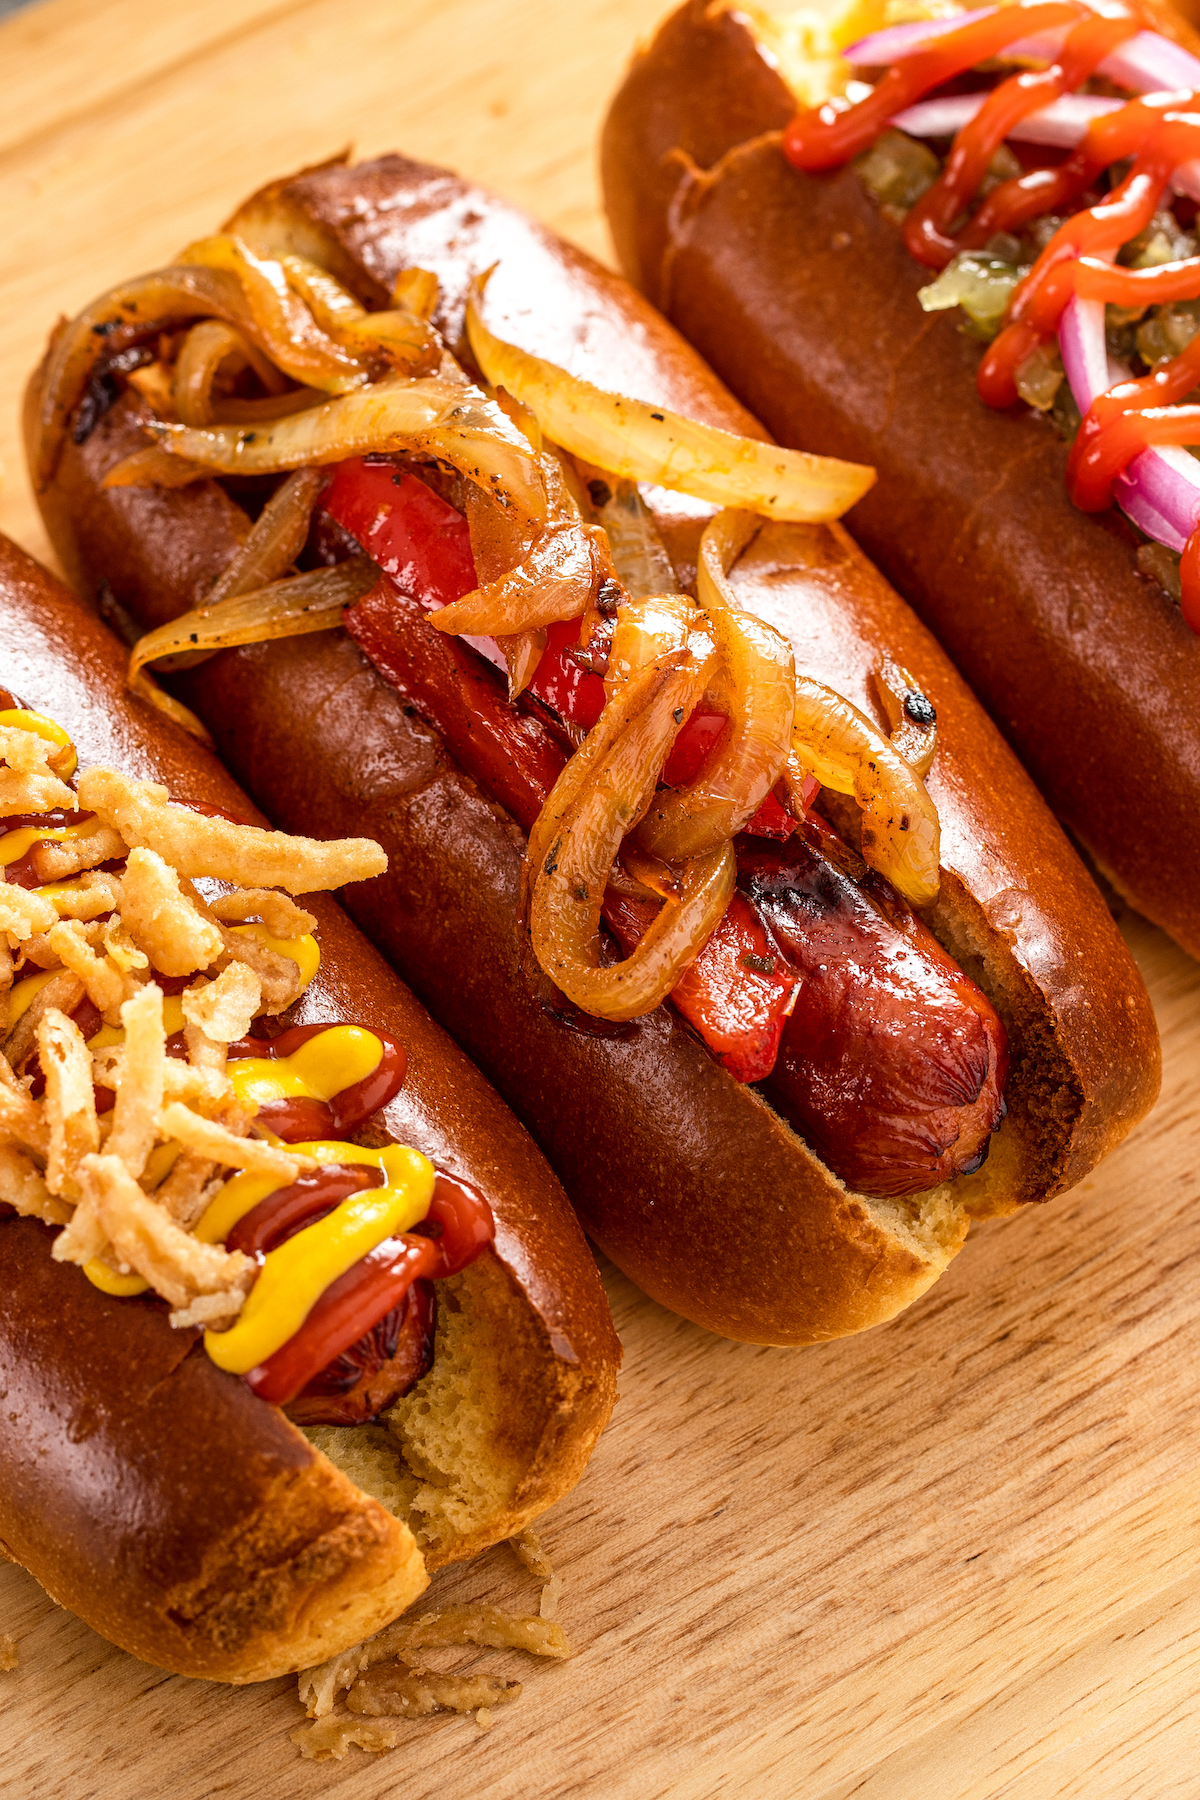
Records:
x=910, y=714
x=399, y=337
x=315, y=601
x=284, y=326
x=555, y=581
x=571, y=879
x=640, y=442
x=210, y=349
x=435, y=415
x=756, y=687
x=276, y=538
x=837, y=744
x=174, y=296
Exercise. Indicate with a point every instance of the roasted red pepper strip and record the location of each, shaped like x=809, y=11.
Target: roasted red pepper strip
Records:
x=410, y=531
x=737, y=993
x=513, y=756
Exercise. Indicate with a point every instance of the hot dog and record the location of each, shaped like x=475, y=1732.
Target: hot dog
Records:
x=798, y=283
x=824, y=1016
x=151, y=1490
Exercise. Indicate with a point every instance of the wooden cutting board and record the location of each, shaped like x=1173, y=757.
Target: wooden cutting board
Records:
x=953, y=1559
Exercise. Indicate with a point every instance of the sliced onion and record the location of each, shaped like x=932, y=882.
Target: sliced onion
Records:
x=883, y=47
x=639, y=554
x=311, y=602
x=1150, y=63
x=1062, y=124
x=209, y=348
x=910, y=716
x=1147, y=63
x=837, y=744
x=435, y=415
x=555, y=581
x=756, y=676
x=154, y=467
x=276, y=539
x=645, y=631
x=286, y=328
x=570, y=876
x=400, y=338
x=144, y=685
x=640, y=442
x=1160, y=490
x=171, y=297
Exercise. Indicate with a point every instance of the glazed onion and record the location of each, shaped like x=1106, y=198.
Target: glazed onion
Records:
x=312, y=602
x=640, y=442
x=555, y=581
x=756, y=687
x=174, y=296
x=399, y=337
x=834, y=742
x=585, y=821
x=211, y=348
x=276, y=539
x=638, y=552
x=436, y=415
x=284, y=326
x=910, y=714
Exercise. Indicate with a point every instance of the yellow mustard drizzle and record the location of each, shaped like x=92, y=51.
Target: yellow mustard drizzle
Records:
x=109, y=1281
x=14, y=844
x=23, y=993
x=294, y=1276
x=319, y=1069
x=304, y=951
x=20, y=719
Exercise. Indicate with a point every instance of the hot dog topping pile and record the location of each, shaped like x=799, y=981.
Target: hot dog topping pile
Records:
x=1061, y=218
x=487, y=544
x=147, y=1109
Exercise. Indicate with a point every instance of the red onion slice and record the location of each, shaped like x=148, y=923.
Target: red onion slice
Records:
x=1062, y=124
x=1160, y=490
x=882, y=47
x=1148, y=63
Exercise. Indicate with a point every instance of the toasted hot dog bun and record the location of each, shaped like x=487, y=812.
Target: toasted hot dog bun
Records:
x=156, y=1496
x=804, y=298
x=692, y=1183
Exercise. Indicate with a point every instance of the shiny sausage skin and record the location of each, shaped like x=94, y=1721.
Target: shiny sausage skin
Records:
x=893, y=1063
x=803, y=297
x=385, y=1362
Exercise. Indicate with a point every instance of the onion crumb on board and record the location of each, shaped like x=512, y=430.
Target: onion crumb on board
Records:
x=9, y=1655
x=385, y=1688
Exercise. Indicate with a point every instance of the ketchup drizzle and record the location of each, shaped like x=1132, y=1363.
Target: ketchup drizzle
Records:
x=1160, y=132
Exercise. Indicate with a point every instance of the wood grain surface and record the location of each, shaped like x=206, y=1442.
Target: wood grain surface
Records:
x=956, y=1559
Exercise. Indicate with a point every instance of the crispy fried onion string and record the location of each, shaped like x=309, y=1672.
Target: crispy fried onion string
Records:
x=314, y=601
x=600, y=797
x=837, y=744
x=640, y=442
x=754, y=687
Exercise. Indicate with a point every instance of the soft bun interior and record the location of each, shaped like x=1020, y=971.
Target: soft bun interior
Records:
x=468, y=1456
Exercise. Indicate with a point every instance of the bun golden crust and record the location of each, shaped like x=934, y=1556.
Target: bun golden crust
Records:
x=691, y=1183
x=803, y=296
x=239, y=1550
